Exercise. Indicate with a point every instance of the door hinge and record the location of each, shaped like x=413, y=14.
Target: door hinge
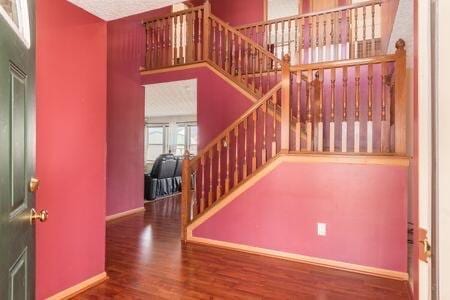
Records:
x=424, y=245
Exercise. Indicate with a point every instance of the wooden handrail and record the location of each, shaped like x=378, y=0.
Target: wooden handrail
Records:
x=346, y=63
x=245, y=38
x=301, y=16
x=174, y=14
x=238, y=121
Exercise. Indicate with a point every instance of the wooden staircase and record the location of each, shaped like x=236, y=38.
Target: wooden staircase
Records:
x=340, y=96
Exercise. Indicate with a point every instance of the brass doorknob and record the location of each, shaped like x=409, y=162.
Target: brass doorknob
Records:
x=41, y=216
x=34, y=184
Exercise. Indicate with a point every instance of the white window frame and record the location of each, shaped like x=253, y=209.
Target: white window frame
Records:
x=23, y=28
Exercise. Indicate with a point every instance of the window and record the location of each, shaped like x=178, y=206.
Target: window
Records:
x=186, y=138
x=15, y=13
x=156, y=139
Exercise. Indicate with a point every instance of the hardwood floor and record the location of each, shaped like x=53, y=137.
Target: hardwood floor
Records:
x=146, y=260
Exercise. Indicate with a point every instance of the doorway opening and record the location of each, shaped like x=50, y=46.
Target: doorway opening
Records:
x=171, y=131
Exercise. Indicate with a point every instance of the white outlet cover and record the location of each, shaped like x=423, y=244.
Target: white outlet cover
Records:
x=321, y=229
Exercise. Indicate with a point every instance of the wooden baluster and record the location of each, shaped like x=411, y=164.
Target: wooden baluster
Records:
x=227, y=178
x=298, y=126
x=219, y=173
x=282, y=38
x=344, y=111
x=169, y=41
x=202, y=189
x=188, y=38
x=333, y=46
x=158, y=45
x=320, y=123
x=147, y=46
x=227, y=52
x=333, y=110
x=289, y=38
x=310, y=50
x=206, y=29
x=400, y=105
x=276, y=39
x=165, y=42
x=349, y=45
x=210, y=193
x=253, y=66
x=325, y=48
x=221, y=47
x=274, y=118
x=236, y=158
x=245, y=62
x=233, y=55
x=193, y=45
x=240, y=57
x=373, y=31
x=285, y=103
x=364, y=49
x=340, y=45
x=185, y=196
x=260, y=67
x=301, y=54
x=369, y=110
x=296, y=40
x=264, y=137
x=384, y=124
x=214, y=42
x=199, y=20
x=357, y=124
x=309, y=112
x=175, y=40
x=181, y=50
x=355, y=49
x=317, y=44
x=244, y=167
x=254, y=141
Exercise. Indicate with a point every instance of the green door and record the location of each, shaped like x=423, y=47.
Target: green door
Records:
x=17, y=149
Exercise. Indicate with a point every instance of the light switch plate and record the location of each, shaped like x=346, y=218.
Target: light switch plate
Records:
x=321, y=229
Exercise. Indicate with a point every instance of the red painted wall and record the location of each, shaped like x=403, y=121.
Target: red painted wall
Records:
x=126, y=53
x=282, y=210
x=238, y=12
x=71, y=145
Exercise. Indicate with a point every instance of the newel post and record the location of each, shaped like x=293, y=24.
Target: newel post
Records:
x=285, y=103
x=185, y=195
x=206, y=14
x=400, y=98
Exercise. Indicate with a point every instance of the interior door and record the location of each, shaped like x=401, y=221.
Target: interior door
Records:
x=17, y=149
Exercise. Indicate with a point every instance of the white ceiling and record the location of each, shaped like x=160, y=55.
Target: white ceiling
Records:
x=114, y=9
x=176, y=98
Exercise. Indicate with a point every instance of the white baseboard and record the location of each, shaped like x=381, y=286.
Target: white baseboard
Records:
x=125, y=213
x=80, y=287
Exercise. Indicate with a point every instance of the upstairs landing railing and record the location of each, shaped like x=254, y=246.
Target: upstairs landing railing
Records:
x=345, y=32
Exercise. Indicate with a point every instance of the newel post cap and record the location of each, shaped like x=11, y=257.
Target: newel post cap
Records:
x=287, y=58
x=400, y=44
x=186, y=154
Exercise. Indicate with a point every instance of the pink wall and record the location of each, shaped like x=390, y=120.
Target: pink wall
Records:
x=238, y=12
x=282, y=210
x=126, y=53
x=71, y=145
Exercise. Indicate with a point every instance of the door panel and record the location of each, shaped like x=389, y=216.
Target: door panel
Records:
x=17, y=149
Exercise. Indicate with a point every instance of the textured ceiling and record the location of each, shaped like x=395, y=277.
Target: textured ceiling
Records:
x=115, y=9
x=177, y=98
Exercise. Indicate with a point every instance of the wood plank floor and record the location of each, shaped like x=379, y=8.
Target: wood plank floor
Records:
x=146, y=260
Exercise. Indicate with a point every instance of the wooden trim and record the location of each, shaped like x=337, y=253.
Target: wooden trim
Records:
x=205, y=64
x=173, y=14
x=346, y=63
x=80, y=287
x=125, y=213
x=294, y=157
x=304, y=259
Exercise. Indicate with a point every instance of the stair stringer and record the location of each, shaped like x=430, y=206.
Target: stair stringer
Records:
x=266, y=170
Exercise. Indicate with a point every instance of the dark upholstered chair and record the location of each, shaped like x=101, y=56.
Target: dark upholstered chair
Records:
x=165, y=177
